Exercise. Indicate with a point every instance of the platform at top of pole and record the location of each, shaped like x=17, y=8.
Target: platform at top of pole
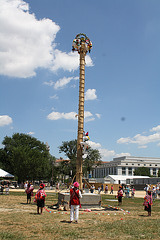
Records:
x=81, y=39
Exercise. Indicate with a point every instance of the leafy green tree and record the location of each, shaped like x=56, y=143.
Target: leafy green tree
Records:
x=70, y=150
x=63, y=169
x=53, y=170
x=26, y=157
x=93, y=157
x=142, y=171
x=2, y=156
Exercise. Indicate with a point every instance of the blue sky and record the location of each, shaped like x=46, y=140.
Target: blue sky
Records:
x=39, y=73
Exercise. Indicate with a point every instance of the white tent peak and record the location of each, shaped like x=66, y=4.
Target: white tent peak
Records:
x=5, y=174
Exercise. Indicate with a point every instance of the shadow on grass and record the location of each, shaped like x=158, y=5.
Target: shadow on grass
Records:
x=53, y=206
x=65, y=221
x=142, y=215
x=109, y=209
x=27, y=203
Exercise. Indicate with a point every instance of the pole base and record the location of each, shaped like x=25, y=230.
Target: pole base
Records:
x=88, y=200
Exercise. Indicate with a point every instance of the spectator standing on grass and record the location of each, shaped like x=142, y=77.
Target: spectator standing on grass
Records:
x=133, y=192
x=2, y=187
x=102, y=187
x=29, y=192
x=120, y=195
x=106, y=189
x=154, y=194
x=146, y=189
x=25, y=185
x=157, y=190
x=148, y=202
x=111, y=192
x=75, y=195
x=57, y=187
x=92, y=189
x=127, y=191
x=40, y=198
x=99, y=190
x=7, y=189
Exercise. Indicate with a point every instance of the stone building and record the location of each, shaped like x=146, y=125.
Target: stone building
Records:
x=126, y=166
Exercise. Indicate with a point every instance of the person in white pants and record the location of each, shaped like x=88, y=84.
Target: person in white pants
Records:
x=75, y=195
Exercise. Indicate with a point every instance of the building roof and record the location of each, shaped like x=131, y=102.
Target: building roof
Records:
x=5, y=174
x=62, y=160
x=133, y=158
x=123, y=177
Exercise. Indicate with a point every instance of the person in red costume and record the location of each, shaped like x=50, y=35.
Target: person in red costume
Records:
x=40, y=198
x=120, y=195
x=75, y=195
x=29, y=192
x=148, y=202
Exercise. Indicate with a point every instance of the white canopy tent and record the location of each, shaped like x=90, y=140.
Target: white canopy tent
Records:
x=120, y=179
x=4, y=174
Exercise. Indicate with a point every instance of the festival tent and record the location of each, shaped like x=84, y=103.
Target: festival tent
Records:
x=4, y=174
x=121, y=179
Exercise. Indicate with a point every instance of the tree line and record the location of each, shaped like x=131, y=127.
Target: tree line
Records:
x=27, y=158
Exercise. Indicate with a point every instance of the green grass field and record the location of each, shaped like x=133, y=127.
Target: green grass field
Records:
x=19, y=221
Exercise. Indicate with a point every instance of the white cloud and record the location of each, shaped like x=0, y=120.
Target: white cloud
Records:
x=5, y=120
x=98, y=115
x=155, y=129
x=31, y=133
x=27, y=44
x=90, y=94
x=88, y=61
x=88, y=116
x=142, y=140
x=68, y=61
x=57, y=116
x=50, y=83
x=105, y=153
x=89, y=119
x=144, y=146
x=94, y=145
x=122, y=154
x=124, y=140
x=54, y=96
x=61, y=83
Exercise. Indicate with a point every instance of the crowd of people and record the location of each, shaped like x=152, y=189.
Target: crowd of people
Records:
x=101, y=189
x=4, y=187
x=126, y=191
x=155, y=190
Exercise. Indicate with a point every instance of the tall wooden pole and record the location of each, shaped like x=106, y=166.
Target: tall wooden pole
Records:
x=80, y=115
x=82, y=44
